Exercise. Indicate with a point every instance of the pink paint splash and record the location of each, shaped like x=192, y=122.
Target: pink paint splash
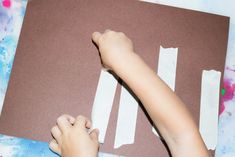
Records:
x=228, y=95
x=230, y=69
x=6, y=4
x=222, y=108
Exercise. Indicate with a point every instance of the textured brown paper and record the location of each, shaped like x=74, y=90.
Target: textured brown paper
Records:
x=57, y=67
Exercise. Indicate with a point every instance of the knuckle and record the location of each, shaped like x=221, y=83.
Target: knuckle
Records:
x=51, y=143
x=53, y=129
x=121, y=33
x=64, y=115
x=58, y=120
x=80, y=117
x=110, y=32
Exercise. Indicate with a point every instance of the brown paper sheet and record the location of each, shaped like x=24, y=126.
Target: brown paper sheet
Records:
x=56, y=67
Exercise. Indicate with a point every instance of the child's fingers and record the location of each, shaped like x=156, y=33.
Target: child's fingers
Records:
x=64, y=122
x=71, y=119
x=107, y=30
x=54, y=147
x=95, y=37
x=82, y=122
x=56, y=133
x=94, y=134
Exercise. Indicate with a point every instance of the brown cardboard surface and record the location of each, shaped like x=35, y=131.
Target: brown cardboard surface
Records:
x=56, y=67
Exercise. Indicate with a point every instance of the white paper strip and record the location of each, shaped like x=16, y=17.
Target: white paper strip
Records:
x=209, y=109
x=167, y=65
x=167, y=62
x=103, y=103
x=126, y=123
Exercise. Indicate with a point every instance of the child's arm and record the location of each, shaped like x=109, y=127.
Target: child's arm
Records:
x=72, y=139
x=167, y=111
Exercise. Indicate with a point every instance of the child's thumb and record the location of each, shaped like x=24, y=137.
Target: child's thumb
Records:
x=94, y=134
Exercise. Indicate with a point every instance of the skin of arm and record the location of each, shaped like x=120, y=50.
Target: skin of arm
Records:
x=167, y=111
x=71, y=137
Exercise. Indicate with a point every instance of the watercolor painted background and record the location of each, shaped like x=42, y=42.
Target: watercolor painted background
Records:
x=19, y=147
x=11, y=18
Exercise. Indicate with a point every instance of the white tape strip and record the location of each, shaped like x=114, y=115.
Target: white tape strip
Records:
x=100, y=154
x=103, y=103
x=167, y=65
x=167, y=62
x=126, y=123
x=210, y=89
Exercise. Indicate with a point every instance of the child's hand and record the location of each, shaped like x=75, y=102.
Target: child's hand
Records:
x=71, y=137
x=114, y=47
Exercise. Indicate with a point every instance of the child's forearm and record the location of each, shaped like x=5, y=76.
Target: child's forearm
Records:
x=167, y=111
x=160, y=102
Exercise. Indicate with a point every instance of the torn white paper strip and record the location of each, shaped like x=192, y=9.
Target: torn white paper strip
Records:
x=167, y=62
x=103, y=103
x=208, y=125
x=167, y=65
x=126, y=123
